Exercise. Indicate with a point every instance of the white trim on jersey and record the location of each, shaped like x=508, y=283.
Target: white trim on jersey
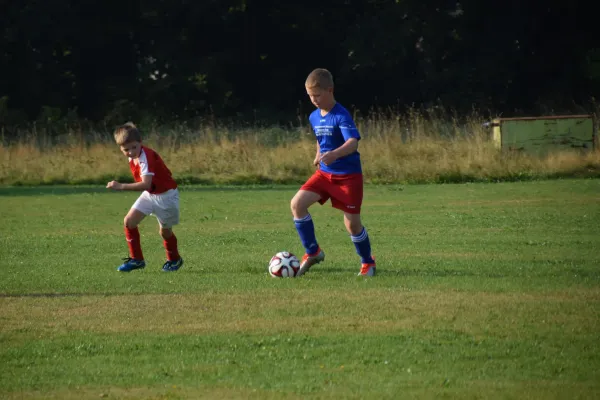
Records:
x=143, y=160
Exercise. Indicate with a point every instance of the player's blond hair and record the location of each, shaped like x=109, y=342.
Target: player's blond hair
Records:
x=319, y=78
x=127, y=133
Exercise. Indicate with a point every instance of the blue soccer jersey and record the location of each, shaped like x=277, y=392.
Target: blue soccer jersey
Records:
x=332, y=131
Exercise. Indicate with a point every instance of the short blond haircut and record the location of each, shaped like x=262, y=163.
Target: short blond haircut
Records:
x=319, y=78
x=127, y=133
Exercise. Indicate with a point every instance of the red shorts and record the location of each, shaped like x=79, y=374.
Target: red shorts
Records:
x=345, y=190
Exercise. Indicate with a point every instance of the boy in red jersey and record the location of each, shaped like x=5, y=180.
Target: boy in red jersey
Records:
x=338, y=177
x=160, y=197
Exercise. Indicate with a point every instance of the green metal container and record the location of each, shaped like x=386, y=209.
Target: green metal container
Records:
x=541, y=135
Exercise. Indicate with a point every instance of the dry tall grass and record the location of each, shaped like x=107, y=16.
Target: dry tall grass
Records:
x=401, y=149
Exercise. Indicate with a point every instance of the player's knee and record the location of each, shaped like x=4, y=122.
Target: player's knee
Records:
x=294, y=205
x=354, y=227
x=129, y=222
x=298, y=210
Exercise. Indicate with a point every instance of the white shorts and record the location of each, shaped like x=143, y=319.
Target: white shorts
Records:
x=164, y=206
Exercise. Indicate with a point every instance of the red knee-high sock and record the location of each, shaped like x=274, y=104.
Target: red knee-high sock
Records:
x=171, y=248
x=133, y=241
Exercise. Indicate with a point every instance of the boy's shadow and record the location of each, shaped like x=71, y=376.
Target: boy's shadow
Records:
x=14, y=191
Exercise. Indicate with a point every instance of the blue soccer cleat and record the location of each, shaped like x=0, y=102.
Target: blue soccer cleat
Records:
x=130, y=264
x=171, y=266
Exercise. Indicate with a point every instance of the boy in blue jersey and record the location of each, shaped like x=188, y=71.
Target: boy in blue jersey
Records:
x=338, y=176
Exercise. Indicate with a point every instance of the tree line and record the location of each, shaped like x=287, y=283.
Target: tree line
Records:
x=111, y=60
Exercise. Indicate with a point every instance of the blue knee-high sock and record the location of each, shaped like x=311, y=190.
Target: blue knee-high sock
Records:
x=306, y=231
x=363, y=246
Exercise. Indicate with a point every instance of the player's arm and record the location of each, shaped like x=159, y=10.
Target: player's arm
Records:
x=317, y=156
x=351, y=137
x=145, y=184
x=349, y=147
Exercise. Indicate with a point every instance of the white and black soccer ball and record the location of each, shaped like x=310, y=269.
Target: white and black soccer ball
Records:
x=284, y=265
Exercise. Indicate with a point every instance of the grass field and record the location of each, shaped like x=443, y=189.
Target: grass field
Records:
x=484, y=291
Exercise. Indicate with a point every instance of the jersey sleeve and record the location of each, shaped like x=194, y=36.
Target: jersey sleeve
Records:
x=348, y=127
x=312, y=122
x=146, y=167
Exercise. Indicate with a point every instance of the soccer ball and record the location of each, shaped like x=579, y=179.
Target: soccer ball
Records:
x=284, y=265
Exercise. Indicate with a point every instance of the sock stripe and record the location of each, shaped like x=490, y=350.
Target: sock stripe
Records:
x=360, y=237
x=305, y=219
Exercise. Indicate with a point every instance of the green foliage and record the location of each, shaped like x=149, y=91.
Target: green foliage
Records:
x=179, y=60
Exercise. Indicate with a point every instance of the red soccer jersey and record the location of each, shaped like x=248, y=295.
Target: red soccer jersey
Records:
x=150, y=163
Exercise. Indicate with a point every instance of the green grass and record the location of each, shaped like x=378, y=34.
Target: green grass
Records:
x=484, y=291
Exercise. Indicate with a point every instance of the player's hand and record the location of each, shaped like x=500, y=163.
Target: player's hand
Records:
x=316, y=162
x=114, y=185
x=328, y=157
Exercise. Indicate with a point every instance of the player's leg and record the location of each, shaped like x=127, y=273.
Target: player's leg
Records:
x=310, y=193
x=174, y=260
x=166, y=210
x=347, y=195
x=362, y=243
x=303, y=220
x=132, y=235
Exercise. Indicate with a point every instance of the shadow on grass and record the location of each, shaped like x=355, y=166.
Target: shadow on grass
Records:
x=49, y=190
x=442, y=273
x=16, y=191
x=79, y=294
x=51, y=295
